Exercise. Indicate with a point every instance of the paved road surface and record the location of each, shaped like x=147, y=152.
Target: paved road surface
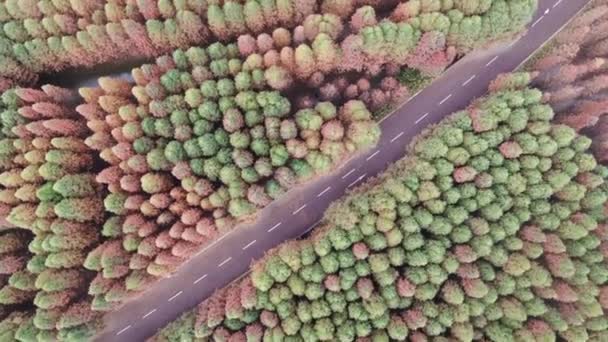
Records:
x=294, y=215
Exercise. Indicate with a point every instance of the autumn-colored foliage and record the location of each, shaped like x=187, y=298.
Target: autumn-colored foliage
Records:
x=492, y=228
x=103, y=194
x=191, y=154
x=573, y=72
x=50, y=194
x=38, y=36
x=17, y=289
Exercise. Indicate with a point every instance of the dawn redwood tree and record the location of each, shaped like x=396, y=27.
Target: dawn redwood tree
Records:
x=53, y=196
x=492, y=227
x=573, y=73
x=244, y=101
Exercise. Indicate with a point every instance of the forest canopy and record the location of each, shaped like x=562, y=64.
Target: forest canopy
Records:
x=106, y=189
x=492, y=227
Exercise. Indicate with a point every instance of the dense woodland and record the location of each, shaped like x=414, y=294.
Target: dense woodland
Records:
x=493, y=227
x=573, y=71
x=50, y=35
x=106, y=189
x=49, y=192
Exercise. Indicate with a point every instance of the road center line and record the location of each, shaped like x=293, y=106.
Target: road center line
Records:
x=123, y=330
x=421, y=118
x=201, y=278
x=249, y=244
x=225, y=262
x=348, y=173
x=299, y=209
x=175, y=296
x=397, y=137
x=324, y=191
x=445, y=99
x=469, y=80
x=357, y=180
x=492, y=61
x=537, y=21
x=372, y=156
x=149, y=313
x=274, y=227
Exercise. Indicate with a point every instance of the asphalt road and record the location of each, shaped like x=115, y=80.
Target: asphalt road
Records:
x=294, y=215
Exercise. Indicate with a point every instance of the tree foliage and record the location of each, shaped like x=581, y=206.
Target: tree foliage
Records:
x=512, y=249
x=244, y=101
x=572, y=72
x=57, y=214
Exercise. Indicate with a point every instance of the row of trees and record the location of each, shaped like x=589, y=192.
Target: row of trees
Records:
x=207, y=136
x=15, y=299
x=42, y=36
x=492, y=228
x=179, y=180
x=574, y=73
x=119, y=192
x=48, y=192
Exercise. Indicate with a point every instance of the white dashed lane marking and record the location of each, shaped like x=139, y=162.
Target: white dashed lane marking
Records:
x=372, y=156
x=537, y=21
x=348, y=173
x=199, y=279
x=445, y=99
x=469, y=80
x=421, y=118
x=249, y=244
x=397, y=137
x=225, y=262
x=299, y=209
x=492, y=61
x=175, y=296
x=149, y=313
x=274, y=227
x=324, y=191
x=123, y=330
